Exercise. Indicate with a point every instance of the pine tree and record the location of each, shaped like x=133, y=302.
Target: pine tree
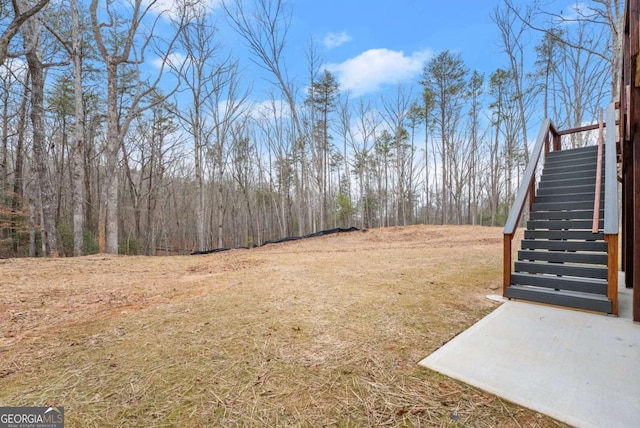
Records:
x=322, y=99
x=446, y=76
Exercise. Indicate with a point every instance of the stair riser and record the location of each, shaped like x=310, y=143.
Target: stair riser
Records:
x=564, y=215
x=570, y=160
x=588, y=181
x=570, y=301
x=560, y=269
x=556, y=191
x=592, y=246
x=571, y=152
x=591, y=151
x=563, y=234
x=563, y=257
x=570, y=167
x=598, y=287
x=567, y=175
x=575, y=197
x=562, y=224
x=564, y=206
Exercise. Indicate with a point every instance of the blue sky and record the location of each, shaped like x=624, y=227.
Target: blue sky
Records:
x=373, y=45
x=403, y=25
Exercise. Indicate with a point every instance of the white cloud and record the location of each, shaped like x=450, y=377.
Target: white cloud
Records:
x=15, y=66
x=270, y=110
x=333, y=40
x=175, y=59
x=375, y=68
x=573, y=13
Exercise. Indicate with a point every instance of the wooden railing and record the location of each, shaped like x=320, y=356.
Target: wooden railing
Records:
x=548, y=134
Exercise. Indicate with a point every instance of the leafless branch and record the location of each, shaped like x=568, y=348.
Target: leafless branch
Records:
x=13, y=28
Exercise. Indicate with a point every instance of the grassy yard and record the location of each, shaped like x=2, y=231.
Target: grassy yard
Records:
x=321, y=332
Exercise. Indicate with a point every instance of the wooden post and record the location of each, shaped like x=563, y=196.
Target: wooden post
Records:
x=627, y=212
x=627, y=129
x=612, y=275
x=506, y=268
x=636, y=225
x=546, y=146
x=557, y=144
x=627, y=147
x=532, y=195
x=633, y=79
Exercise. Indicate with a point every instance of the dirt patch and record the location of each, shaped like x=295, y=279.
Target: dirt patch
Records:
x=319, y=332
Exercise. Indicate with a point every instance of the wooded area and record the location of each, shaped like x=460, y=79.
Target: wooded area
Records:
x=102, y=152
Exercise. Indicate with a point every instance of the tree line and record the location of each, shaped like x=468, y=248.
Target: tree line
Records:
x=101, y=152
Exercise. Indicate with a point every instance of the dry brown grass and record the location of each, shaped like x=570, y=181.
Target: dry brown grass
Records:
x=322, y=332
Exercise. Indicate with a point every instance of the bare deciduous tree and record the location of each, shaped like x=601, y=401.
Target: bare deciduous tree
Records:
x=22, y=11
x=607, y=15
x=264, y=25
x=227, y=106
x=395, y=116
x=512, y=40
x=116, y=53
x=78, y=181
x=197, y=73
x=32, y=33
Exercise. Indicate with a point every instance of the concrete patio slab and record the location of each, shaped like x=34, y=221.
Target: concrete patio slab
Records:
x=579, y=368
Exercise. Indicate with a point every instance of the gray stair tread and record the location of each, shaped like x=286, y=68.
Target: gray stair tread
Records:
x=568, y=190
x=573, y=197
x=595, y=246
x=585, y=285
x=564, y=215
x=566, y=175
x=585, y=149
x=589, y=169
x=564, y=234
x=580, y=165
x=568, y=182
x=586, y=224
x=564, y=256
x=574, y=154
x=579, y=271
x=571, y=160
x=564, y=206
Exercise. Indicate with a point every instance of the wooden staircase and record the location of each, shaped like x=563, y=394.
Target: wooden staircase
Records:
x=569, y=254
x=562, y=262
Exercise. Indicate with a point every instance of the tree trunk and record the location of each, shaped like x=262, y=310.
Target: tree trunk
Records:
x=78, y=149
x=200, y=210
x=220, y=220
x=32, y=227
x=443, y=137
x=16, y=204
x=5, y=138
x=47, y=194
x=109, y=214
